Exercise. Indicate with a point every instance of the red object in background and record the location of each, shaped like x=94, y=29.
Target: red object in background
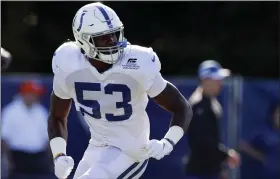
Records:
x=31, y=87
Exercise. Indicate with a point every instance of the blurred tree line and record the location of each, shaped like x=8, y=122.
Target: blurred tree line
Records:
x=242, y=36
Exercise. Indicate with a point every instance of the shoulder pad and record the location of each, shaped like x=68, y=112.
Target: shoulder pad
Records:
x=142, y=64
x=148, y=59
x=65, y=57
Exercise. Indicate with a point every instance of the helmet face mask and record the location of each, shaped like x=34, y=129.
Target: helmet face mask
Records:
x=100, y=39
x=107, y=43
x=108, y=46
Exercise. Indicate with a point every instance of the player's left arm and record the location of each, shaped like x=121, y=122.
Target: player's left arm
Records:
x=168, y=97
x=173, y=101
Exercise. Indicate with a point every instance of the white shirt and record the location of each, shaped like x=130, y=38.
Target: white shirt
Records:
x=25, y=129
x=114, y=102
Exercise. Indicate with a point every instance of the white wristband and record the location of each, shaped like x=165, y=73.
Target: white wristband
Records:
x=58, y=146
x=175, y=133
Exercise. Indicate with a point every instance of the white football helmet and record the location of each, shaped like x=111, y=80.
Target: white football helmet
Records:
x=99, y=32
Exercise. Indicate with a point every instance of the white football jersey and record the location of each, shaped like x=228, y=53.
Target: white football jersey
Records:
x=113, y=103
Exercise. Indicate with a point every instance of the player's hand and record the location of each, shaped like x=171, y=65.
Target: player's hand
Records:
x=233, y=159
x=158, y=148
x=63, y=166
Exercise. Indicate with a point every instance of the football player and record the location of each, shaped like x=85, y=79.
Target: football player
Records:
x=109, y=81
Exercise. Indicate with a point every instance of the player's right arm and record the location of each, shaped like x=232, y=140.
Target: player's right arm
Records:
x=60, y=105
x=57, y=126
x=60, y=102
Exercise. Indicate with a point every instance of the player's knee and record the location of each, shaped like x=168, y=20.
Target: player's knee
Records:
x=95, y=173
x=85, y=177
x=82, y=168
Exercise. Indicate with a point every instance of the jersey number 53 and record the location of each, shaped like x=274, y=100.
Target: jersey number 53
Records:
x=109, y=89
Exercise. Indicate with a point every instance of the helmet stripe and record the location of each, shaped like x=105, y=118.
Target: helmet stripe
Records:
x=81, y=22
x=106, y=16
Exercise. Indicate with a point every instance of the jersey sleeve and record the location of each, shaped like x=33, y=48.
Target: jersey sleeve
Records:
x=59, y=89
x=59, y=68
x=157, y=83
